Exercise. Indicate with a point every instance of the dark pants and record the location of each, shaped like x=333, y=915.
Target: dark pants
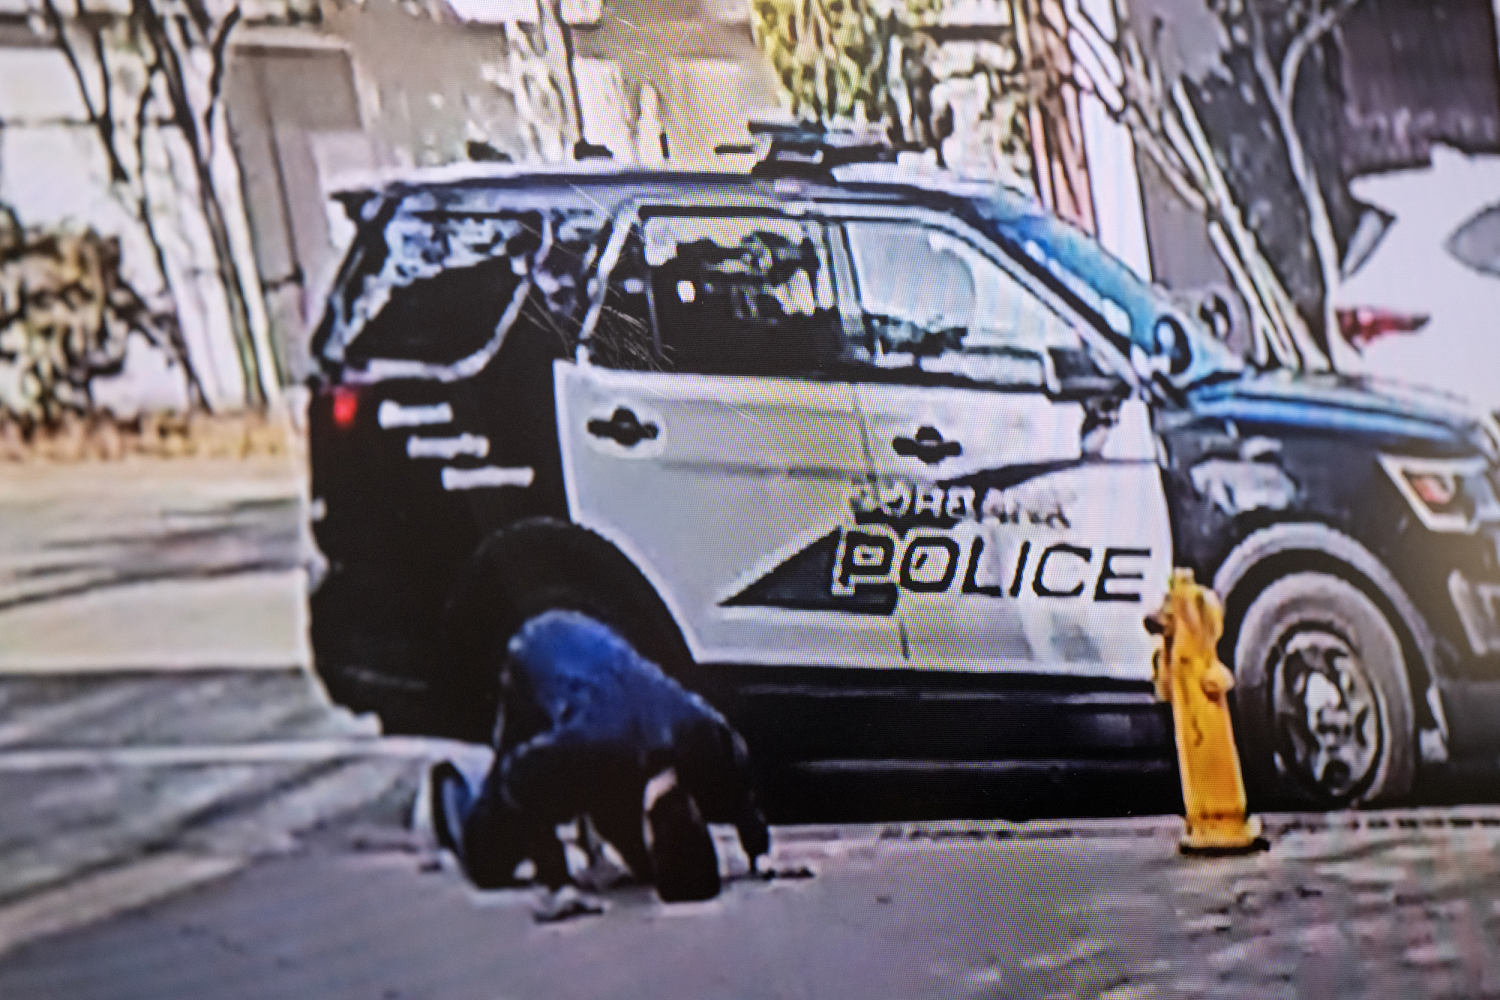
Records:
x=563, y=774
x=554, y=778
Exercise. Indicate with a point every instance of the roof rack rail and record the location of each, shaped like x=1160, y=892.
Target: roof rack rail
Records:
x=810, y=149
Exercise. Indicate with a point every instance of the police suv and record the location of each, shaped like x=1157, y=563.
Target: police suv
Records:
x=887, y=464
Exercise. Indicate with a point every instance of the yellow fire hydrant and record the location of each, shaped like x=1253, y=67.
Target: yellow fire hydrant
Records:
x=1188, y=674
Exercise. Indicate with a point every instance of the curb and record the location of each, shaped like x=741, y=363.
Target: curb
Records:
x=1383, y=821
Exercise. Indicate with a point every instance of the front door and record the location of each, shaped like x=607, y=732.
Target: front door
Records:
x=1015, y=499
x=707, y=437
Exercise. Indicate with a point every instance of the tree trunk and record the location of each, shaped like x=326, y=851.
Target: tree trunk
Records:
x=1320, y=226
x=1285, y=335
x=257, y=390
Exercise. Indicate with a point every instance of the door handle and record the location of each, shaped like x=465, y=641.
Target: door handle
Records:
x=927, y=445
x=623, y=427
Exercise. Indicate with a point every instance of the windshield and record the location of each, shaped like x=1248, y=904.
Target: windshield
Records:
x=1127, y=307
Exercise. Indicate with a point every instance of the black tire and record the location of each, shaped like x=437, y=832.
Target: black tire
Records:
x=1322, y=700
x=537, y=568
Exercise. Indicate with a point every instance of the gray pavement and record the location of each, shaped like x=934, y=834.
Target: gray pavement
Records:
x=113, y=769
x=1106, y=909
x=158, y=727
x=151, y=565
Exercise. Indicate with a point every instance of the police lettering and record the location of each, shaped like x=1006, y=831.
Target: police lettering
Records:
x=929, y=563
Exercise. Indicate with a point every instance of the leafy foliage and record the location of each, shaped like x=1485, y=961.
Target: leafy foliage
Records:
x=859, y=59
x=66, y=313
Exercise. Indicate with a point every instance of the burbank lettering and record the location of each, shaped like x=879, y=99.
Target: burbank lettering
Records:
x=903, y=503
x=928, y=563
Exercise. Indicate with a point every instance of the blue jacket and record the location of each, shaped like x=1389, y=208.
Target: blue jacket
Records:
x=590, y=684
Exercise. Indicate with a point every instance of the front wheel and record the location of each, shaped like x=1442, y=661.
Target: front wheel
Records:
x=1323, y=701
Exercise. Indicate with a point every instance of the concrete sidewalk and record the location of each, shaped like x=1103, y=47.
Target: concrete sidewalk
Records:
x=95, y=556
x=1380, y=905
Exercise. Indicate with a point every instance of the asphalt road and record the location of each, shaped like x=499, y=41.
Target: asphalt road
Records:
x=103, y=772
x=157, y=725
x=1407, y=908
x=186, y=816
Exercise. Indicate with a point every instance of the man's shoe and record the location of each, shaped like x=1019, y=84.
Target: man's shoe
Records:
x=564, y=903
x=449, y=802
x=685, y=863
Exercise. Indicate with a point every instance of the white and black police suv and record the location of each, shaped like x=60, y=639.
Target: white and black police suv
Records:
x=888, y=465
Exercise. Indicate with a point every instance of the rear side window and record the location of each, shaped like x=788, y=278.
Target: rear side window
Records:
x=744, y=295
x=1476, y=243
x=441, y=319
x=435, y=283
x=933, y=304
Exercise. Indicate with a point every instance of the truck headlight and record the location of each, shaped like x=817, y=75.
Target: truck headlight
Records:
x=1450, y=495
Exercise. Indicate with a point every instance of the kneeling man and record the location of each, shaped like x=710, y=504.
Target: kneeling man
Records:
x=593, y=729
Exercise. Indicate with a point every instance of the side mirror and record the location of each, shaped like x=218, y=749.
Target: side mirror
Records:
x=1171, y=345
x=1215, y=312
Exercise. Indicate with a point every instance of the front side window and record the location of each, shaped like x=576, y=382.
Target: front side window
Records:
x=741, y=295
x=1476, y=243
x=934, y=303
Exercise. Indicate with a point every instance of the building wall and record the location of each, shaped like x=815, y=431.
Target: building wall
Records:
x=699, y=58
x=1415, y=74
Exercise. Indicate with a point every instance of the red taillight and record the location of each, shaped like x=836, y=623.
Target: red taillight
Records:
x=344, y=406
x=1363, y=324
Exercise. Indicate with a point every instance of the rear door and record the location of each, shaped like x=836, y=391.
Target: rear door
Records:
x=1016, y=502
x=705, y=432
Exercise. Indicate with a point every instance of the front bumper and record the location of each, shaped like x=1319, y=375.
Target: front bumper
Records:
x=1478, y=605
x=1470, y=688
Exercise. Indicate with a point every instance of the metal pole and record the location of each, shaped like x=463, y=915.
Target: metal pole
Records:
x=582, y=148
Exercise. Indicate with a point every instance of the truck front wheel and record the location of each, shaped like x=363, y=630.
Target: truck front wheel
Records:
x=1322, y=697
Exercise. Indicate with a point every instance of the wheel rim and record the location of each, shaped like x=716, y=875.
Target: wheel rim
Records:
x=1326, y=713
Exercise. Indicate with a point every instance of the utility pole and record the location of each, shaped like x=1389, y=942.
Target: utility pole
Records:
x=582, y=148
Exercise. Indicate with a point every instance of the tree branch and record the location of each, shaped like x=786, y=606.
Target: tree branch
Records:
x=107, y=113
x=218, y=61
x=1310, y=35
x=54, y=17
x=202, y=19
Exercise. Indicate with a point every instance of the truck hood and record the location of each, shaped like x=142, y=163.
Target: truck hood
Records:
x=1386, y=415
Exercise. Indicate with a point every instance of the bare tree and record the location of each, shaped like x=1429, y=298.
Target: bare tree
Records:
x=1127, y=74
x=158, y=68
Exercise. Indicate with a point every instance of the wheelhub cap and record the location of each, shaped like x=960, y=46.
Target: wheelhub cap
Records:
x=1327, y=717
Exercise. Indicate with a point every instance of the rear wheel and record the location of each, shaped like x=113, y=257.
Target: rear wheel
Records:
x=1323, y=700
x=547, y=568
